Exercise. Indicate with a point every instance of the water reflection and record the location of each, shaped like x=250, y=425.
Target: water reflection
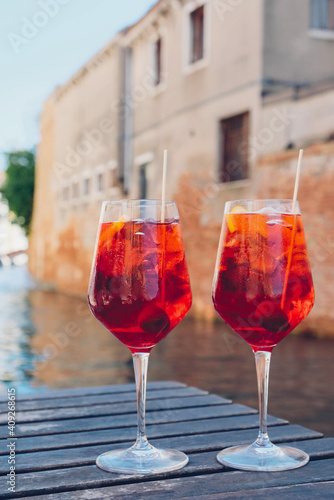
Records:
x=75, y=349
x=50, y=339
x=16, y=328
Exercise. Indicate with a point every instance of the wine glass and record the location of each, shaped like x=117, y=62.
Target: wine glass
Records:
x=139, y=290
x=262, y=289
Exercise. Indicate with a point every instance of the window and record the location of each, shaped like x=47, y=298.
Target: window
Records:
x=322, y=14
x=197, y=34
x=86, y=187
x=75, y=190
x=157, y=61
x=234, y=148
x=143, y=181
x=112, y=175
x=65, y=193
x=100, y=182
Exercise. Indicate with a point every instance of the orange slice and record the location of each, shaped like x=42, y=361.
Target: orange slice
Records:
x=229, y=217
x=108, y=233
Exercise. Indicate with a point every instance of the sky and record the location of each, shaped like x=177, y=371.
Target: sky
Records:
x=43, y=43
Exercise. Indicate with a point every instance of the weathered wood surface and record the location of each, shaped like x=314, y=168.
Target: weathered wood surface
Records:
x=88, y=391
x=27, y=409
x=112, y=434
x=307, y=491
x=205, y=486
x=201, y=463
x=157, y=412
x=57, y=446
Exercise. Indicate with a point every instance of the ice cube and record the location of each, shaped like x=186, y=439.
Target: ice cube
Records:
x=149, y=233
x=279, y=222
x=151, y=286
x=268, y=211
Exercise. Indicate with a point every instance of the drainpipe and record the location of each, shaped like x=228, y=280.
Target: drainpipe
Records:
x=126, y=120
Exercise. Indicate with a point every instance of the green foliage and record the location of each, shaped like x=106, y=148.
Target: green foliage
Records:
x=18, y=188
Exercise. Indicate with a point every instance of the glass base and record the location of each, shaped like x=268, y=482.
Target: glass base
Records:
x=147, y=460
x=263, y=458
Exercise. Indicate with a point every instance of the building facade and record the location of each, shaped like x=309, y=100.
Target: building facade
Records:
x=232, y=88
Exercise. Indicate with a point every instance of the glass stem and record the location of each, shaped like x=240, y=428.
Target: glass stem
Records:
x=140, y=364
x=262, y=361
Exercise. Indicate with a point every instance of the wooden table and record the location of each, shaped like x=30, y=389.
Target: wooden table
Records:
x=61, y=432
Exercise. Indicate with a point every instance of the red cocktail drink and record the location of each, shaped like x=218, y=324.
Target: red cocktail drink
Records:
x=264, y=287
x=141, y=288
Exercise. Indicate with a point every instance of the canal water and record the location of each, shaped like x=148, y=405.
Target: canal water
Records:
x=51, y=340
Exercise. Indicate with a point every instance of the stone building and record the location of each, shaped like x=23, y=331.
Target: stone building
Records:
x=232, y=88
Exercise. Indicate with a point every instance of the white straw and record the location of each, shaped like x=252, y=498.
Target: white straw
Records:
x=294, y=201
x=299, y=167
x=163, y=193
